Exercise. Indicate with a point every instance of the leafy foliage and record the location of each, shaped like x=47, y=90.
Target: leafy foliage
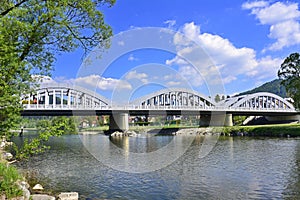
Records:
x=8, y=181
x=46, y=129
x=289, y=73
x=238, y=120
x=32, y=32
x=274, y=87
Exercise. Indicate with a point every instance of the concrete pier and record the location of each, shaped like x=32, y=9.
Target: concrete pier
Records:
x=221, y=119
x=119, y=121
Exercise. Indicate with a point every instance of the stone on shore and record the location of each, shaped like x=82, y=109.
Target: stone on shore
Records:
x=194, y=131
x=2, y=144
x=23, y=185
x=7, y=156
x=41, y=197
x=125, y=133
x=68, y=196
x=38, y=187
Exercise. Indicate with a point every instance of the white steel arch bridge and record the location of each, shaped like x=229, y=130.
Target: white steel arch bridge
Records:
x=63, y=97
x=55, y=100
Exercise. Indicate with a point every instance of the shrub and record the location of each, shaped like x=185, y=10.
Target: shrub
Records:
x=8, y=181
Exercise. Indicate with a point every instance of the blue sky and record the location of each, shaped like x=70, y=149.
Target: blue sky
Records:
x=245, y=40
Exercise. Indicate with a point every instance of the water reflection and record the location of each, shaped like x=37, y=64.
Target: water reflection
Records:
x=293, y=186
x=140, y=154
x=236, y=168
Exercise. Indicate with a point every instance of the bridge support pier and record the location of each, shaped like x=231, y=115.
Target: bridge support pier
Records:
x=228, y=120
x=216, y=120
x=118, y=122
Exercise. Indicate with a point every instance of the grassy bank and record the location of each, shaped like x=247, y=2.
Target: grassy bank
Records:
x=274, y=130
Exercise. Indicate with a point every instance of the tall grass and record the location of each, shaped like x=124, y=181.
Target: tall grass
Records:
x=8, y=181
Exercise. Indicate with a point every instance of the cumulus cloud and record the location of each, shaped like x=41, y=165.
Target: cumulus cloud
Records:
x=222, y=58
x=121, y=43
x=132, y=58
x=189, y=73
x=91, y=82
x=170, y=23
x=283, y=19
x=174, y=83
x=96, y=81
x=255, y=4
x=43, y=79
x=135, y=75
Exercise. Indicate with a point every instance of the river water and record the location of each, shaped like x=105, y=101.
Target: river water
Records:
x=235, y=168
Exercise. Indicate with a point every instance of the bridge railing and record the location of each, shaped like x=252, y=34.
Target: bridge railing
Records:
x=156, y=107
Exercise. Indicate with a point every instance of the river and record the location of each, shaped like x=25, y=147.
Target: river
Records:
x=235, y=168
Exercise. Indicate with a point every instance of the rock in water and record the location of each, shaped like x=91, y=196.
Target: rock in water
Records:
x=68, y=196
x=41, y=197
x=38, y=187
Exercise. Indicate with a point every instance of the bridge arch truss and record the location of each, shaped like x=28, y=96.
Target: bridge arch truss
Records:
x=260, y=100
x=64, y=96
x=175, y=97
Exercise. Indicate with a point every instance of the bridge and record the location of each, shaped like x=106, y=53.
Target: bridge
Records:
x=72, y=100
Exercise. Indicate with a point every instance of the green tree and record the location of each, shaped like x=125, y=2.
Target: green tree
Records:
x=47, y=128
x=32, y=33
x=217, y=98
x=289, y=73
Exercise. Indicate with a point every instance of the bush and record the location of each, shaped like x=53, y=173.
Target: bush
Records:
x=8, y=181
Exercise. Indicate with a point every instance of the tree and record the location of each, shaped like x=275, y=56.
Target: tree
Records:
x=217, y=98
x=32, y=33
x=289, y=73
x=47, y=128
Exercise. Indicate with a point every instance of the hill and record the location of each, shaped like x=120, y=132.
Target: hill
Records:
x=272, y=87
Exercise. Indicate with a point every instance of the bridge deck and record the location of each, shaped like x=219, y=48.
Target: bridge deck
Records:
x=35, y=110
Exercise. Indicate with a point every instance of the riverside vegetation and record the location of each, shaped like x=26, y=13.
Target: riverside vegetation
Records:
x=9, y=176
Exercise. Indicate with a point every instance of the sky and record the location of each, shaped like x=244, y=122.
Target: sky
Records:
x=210, y=46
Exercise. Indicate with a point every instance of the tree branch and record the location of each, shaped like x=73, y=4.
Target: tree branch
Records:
x=11, y=8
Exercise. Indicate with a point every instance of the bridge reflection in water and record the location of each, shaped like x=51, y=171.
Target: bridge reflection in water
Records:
x=71, y=100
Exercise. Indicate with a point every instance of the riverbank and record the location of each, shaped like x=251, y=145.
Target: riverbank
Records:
x=273, y=130
x=23, y=185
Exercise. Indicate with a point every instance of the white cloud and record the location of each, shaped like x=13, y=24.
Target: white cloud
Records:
x=132, y=58
x=121, y=43
x=283, y=19
x=135, y=75
x=43, y=79
x=170, y=23
x=96, y=81
x=190, y=74
x=255, y=4
x=229, y=79
x=90, y=82
x=286, y=33
x=174, y=83
x=224, y=59
x=176, y=60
